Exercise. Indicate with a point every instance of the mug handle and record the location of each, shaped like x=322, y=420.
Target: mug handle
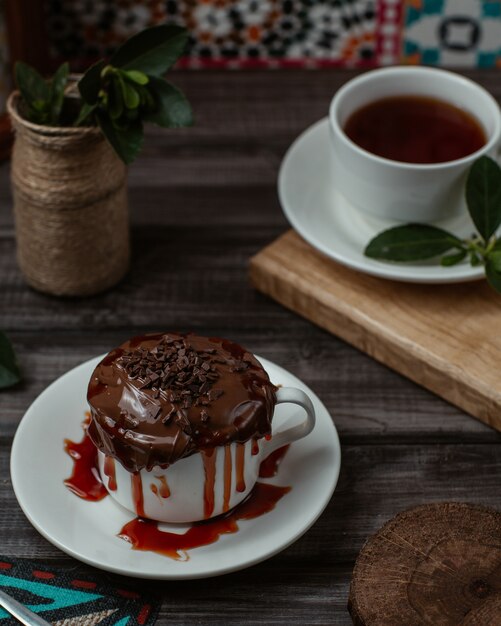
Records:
x=284, y=437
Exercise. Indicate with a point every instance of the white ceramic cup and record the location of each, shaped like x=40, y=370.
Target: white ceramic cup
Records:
x=400, y=191
x=192, y=484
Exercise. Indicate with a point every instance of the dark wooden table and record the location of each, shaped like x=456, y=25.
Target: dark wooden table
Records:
x=202, y=202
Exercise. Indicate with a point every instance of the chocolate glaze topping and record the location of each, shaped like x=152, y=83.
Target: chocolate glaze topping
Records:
x=161, y=397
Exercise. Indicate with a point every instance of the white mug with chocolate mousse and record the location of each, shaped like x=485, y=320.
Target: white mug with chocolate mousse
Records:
x=182, y=422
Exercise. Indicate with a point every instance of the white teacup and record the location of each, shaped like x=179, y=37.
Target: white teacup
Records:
x=406, y=191
x=203, y=485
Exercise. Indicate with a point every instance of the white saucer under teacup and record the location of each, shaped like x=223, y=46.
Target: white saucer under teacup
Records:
x=331, y=224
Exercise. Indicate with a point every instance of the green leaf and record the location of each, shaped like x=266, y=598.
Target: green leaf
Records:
x=153, y=50
x=172, y=108
x=411, y=242
x=131, y=114
x=115, y=100
x=493, y=276
x=9, y=369
x=137, y=77
x=90, y=83
x=496, y=245
x=494, y=259
x=453, y=259
x=148, y=100
x=483, y=196
x=32, y=86
x=126, y=141
x=130, y=96
x=85, y=111
x=40, y=106
x=475, y=259
x=58, y=85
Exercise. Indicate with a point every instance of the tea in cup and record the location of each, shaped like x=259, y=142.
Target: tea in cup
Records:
x=404, y=138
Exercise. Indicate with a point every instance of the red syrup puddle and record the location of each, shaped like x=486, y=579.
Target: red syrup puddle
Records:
x=84, y=480
x=144, y=534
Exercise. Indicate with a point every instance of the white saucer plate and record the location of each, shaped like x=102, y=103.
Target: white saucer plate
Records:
x=88, y=530
x=327, y=220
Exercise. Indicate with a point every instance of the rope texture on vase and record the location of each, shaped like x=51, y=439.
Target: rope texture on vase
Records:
x=70, y=206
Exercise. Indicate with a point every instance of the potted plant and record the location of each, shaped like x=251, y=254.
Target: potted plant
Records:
x=75, y=137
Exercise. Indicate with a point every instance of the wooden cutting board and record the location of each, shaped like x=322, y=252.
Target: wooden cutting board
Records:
x=444, y=337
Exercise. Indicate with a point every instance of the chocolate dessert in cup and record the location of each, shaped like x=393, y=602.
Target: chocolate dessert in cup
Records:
x=182, y=422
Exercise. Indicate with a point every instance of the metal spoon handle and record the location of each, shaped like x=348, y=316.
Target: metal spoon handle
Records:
x=20, y=612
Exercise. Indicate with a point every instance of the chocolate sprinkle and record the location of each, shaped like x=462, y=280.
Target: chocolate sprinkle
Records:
x=174, y=367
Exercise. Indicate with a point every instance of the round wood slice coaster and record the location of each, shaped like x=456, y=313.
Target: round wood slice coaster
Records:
x=437, y=564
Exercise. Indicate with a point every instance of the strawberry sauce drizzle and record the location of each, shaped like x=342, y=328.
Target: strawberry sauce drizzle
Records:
x=240, y=466
x=209, y=458
x=144, y=534
x=161, y=491
x=228, y=465
x=109, y=470
x=164, y=491
x=84, y=481
x=137, y=493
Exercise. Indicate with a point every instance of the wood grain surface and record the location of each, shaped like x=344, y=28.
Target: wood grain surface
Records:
x=440, y=336
x=203, y=202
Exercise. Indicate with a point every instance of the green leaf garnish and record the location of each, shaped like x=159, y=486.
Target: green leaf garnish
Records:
x=494, y=260
x=9, y=369
x=453, y=259
x=411, y=242
x=417, y=242
x=483, y=196
x=475, y=259
x=493, y=276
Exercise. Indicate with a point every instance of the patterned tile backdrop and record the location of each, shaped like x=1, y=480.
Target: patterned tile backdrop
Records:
x=452, y=33
x=281, y=33
x=278, y=33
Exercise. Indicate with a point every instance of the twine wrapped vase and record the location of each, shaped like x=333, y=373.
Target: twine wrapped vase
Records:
x=70, y=207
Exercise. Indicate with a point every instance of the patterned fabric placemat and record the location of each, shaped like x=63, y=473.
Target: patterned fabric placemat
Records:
x=65, y=599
